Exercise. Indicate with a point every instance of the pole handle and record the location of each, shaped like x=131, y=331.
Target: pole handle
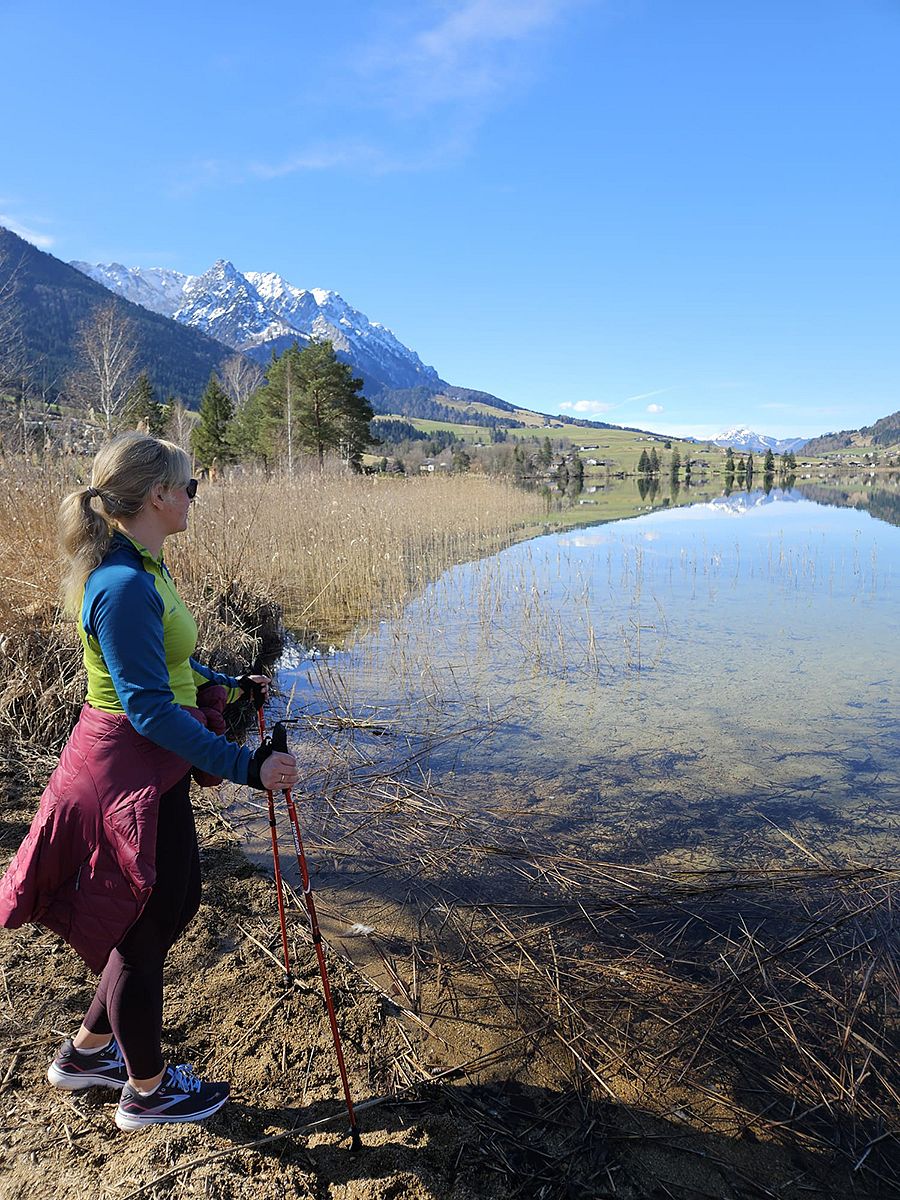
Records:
x=279, y=737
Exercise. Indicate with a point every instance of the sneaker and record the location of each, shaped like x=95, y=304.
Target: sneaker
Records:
x=72, y=1069
x=180, y=1097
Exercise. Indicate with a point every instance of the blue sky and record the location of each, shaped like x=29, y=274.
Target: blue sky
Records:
x=679, y=215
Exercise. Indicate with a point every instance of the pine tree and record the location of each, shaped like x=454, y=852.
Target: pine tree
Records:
x=309, y=404
x=210, y=439
x=144, y=411
x=643, y=463
x=654, y=462
x=769, y=466
x=676, y=463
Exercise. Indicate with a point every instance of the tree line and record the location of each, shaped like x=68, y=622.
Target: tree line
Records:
x=306, y=402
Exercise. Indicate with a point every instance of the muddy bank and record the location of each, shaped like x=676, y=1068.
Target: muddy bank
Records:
x=504, y=1126
x=228, y=1013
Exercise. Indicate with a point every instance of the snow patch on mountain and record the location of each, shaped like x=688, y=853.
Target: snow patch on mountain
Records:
x=258, y=311
x=151, y=287
x=742, y=438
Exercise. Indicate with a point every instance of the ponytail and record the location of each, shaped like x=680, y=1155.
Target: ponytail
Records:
x=85, y=536
x=124, y=472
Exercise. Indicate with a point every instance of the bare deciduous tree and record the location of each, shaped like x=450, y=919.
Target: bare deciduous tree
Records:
x=241, y=377
x=107, y=347
x=181, y=421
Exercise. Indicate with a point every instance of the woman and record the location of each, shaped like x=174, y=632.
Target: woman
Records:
x=111, y=861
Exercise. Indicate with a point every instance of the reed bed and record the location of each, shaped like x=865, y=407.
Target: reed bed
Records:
x=326, y=551
x=335, y=549
x=751, y=1002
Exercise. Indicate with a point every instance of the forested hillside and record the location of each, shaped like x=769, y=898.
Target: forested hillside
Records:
x=44, y=302
x=885, y=432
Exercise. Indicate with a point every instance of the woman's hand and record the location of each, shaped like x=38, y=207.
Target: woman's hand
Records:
x=278, y=771
x=256, y=686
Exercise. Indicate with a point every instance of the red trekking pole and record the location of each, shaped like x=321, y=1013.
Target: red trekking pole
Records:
x=261, y=722
x=279, y=742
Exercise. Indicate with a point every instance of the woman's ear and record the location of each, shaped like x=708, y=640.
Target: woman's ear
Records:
x=157, y=495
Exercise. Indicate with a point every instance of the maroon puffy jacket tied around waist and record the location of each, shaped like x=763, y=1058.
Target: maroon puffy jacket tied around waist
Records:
x=88, y=863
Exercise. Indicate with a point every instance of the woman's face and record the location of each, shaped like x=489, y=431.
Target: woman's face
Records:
x=177, y=502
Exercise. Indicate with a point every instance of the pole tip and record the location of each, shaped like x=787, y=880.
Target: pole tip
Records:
x=355, y=1141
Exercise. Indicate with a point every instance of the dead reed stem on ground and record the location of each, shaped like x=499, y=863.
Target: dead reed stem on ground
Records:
x=759, y=1002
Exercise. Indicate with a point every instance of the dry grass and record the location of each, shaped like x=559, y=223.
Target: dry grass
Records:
x=328, y=550
x=336, y=550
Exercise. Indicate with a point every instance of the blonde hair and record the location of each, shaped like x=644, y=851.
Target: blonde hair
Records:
x=124, y=472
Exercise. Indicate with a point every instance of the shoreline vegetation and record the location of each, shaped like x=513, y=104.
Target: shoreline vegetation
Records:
x=320, y=552
x=520, y=1050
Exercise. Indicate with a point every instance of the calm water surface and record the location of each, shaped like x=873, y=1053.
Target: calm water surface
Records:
x=693, y=686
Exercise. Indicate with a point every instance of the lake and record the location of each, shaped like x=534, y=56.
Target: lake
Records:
x=629, y=790
x=688, y=684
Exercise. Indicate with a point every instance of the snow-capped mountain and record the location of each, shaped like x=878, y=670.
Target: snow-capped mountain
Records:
x=154, y=287
x=257, y=312
x=741, y=438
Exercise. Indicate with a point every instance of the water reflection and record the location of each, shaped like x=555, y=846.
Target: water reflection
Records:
x=631, y=769
x=685, y=685
x=880, y=497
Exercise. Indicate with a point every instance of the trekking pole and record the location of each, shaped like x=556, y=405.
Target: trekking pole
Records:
x=261, y=722
x=279, y=742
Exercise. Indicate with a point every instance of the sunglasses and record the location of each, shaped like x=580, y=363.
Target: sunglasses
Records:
x=191, y=488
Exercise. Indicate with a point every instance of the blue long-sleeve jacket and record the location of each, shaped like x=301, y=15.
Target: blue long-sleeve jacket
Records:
x=138, y=640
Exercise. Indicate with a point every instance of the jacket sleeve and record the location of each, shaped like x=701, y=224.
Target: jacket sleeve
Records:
x=204, y=675
x=126, y=619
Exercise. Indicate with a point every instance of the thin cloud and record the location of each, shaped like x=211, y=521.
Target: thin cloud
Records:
x=42, y=240
x=445, y=71
x=586, y=406
x=646, y=395
x=655, y=408
x=466, y=53
x=325, y=158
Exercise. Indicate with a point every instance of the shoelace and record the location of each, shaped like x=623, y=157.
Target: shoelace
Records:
x=183, y=1077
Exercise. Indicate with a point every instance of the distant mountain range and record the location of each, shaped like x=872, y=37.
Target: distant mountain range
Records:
x=260, y=312
x=187, y=325
x=740, y=438
x=45, y=301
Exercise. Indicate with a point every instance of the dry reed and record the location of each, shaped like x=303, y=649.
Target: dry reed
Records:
x=337, y=549
x=760, y=1003
x=329, y=550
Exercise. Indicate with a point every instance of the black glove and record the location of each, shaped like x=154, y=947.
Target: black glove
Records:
x=256, y=762
x=251, y=688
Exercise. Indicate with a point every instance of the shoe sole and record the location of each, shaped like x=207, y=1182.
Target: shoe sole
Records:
x=130, y=1124
x=75, y=1083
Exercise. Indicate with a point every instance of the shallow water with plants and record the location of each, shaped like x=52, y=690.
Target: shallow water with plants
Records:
x=632, y=787
x=680, y=683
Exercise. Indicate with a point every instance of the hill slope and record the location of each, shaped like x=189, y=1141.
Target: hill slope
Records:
x=45, y=300
x=885, y=432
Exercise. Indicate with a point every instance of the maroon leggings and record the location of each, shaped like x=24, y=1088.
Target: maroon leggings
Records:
x=129, y=997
